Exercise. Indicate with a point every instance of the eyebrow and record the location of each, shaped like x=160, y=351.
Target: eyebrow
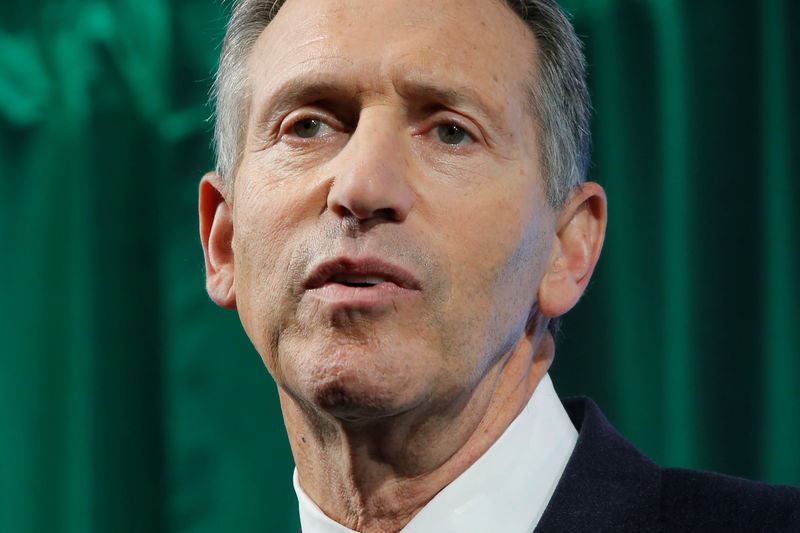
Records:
x=298, y=91
x=293, y=92
x=430, y=92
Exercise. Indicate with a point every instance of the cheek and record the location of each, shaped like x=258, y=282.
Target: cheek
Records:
x=495, y=258
x=258, y=233
x=491, y=233
x=272, y=206
x=265, y=219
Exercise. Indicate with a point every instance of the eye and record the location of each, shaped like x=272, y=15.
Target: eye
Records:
x=308, y=128
x=452, y=134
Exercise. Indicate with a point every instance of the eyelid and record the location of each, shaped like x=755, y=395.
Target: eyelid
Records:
x=472, y=130
x=298, y=115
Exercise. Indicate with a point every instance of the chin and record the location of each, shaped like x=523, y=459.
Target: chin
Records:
x=355, y=403
x=356, y=383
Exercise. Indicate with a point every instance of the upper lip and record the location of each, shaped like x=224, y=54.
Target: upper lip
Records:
x=326, y=271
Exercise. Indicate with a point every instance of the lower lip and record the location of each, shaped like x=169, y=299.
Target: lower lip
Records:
x=347, y=296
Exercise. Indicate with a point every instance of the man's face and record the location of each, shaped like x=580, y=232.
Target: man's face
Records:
x=390, y=221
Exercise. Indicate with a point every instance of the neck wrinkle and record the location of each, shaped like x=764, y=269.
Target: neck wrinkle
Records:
x=356, y=483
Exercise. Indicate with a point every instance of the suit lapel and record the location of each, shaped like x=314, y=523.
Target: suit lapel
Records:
x=608, y=485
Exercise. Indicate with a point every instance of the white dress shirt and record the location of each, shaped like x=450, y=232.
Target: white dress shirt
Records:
x=506, y=489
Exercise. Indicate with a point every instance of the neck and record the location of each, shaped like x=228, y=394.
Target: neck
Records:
x=375, y=476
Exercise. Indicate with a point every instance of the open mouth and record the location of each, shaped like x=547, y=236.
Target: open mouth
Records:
x=360, y=274
x=356, y=280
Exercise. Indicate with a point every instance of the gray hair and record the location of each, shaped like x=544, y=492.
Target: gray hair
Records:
x=558, y=95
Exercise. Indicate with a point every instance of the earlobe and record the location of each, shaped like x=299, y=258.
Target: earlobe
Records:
x=216, y=236
x=580, y=230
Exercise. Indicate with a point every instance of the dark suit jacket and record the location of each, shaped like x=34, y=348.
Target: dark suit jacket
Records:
x=609, y=485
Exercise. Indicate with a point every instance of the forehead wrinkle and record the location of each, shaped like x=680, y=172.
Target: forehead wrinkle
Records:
x=262, y=63
x=325, y=70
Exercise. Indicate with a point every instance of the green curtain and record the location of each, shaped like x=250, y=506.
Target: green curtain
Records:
x=128, y=402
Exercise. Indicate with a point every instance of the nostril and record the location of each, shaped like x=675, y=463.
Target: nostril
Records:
x=368, y=190
x=363, y=212
x=386, y=213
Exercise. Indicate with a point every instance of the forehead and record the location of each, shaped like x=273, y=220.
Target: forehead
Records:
x=480, y=45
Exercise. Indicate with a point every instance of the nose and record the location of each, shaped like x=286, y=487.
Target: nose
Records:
x=371, y=174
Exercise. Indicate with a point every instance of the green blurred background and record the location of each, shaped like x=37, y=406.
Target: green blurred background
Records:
x=129, y=402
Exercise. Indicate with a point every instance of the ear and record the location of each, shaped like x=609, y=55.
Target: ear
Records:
x=580, y=229
x=216, y=235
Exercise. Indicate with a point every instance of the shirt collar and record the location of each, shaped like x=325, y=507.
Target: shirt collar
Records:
x=506, y=489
